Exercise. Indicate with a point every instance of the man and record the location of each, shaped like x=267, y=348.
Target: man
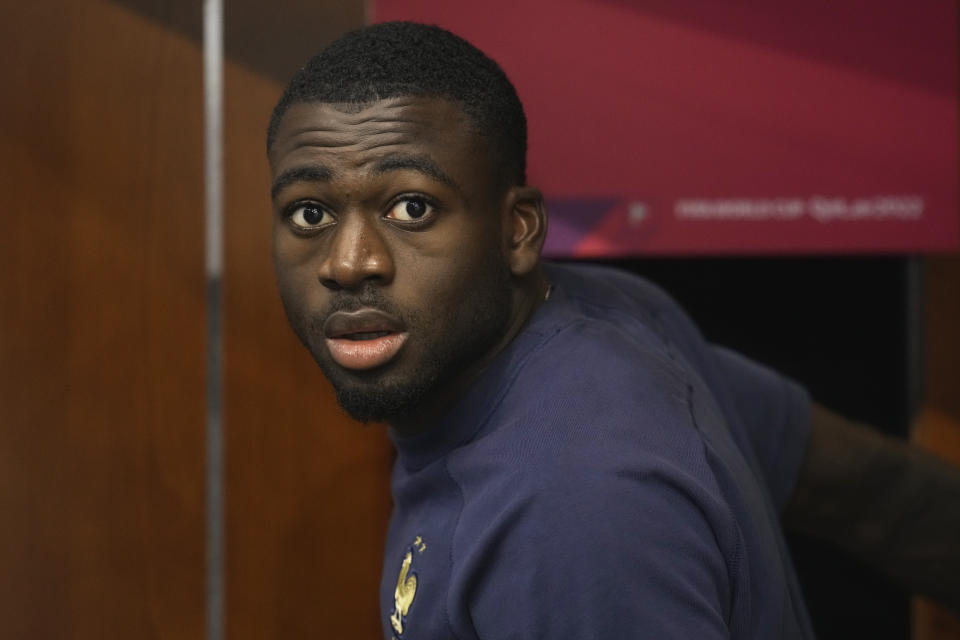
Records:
x=574, y=461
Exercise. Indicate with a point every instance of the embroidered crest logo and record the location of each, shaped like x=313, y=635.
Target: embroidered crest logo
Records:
x=406, y=587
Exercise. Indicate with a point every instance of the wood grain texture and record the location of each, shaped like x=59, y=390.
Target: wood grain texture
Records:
x=101, y=326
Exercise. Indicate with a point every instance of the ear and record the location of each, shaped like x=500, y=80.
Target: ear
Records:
x=525, y=230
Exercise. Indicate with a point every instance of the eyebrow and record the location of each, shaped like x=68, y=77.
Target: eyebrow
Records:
x=313, y=173
x=396, y=162
x=419, y=163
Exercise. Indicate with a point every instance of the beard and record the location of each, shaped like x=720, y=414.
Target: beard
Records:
x=442, y=345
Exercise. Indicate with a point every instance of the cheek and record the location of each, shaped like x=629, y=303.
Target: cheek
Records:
x=441, y=289
x=453, y=272
x=289, y=250
x=295, y=276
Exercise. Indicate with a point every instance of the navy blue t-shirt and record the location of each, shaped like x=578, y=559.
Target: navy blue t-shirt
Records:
x=611, y=475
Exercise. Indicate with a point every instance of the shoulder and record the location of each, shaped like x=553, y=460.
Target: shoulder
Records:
x=601, y=282
x=602, y=390
x=590, y=509
x=597, y=428
x=600, y=381
x=599, y=290
x=632, y=302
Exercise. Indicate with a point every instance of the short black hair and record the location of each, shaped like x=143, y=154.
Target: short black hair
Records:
x=408, y=59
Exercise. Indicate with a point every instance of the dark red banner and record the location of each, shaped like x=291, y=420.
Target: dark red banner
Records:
x=698, y=127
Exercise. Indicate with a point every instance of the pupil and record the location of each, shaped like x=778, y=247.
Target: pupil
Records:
x=312, y=215
x=416, y=208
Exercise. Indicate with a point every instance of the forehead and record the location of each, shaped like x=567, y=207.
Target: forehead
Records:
x=354, y=136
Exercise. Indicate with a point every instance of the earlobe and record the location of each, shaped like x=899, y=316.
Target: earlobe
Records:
x=527, y=227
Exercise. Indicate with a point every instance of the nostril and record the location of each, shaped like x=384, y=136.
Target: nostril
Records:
x=331, y=284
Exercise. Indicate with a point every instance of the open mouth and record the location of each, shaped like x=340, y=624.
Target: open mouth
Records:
x=364, y=339
x=365, y=335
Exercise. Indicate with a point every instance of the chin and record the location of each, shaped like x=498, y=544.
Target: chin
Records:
x=377, y=395
x=380, y=402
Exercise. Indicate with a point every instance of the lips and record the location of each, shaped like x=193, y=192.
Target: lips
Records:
x=364, y=339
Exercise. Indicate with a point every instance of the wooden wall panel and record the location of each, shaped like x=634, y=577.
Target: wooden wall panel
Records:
x=307, y=489
x=101, y=326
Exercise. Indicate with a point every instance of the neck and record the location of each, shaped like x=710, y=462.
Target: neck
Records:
x=527, y=298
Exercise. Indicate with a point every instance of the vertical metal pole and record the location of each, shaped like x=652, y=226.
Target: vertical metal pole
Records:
x=213, y=166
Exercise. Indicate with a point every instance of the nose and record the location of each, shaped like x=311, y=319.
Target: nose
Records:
x=358, y=253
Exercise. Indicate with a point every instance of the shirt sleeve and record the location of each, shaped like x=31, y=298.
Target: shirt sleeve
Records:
x=634, y=558
x=774, y=412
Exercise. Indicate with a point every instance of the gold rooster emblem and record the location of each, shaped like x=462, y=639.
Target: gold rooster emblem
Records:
x=403, y=596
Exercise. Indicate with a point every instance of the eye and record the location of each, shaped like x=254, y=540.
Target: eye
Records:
x=309, y=216
x=410, y=209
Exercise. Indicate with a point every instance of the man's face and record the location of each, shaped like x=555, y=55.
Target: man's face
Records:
x=389, y=248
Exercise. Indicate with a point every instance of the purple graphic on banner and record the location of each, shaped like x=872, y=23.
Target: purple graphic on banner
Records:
x=571, y=220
